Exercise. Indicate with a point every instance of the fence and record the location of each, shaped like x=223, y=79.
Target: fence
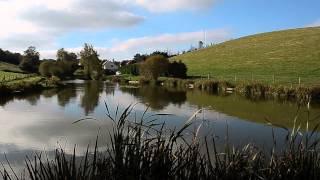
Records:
x=306, y=80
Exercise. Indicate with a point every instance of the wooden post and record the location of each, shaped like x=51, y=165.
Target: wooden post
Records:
x=273, y=79
x=235, y=78
x=208, y=76
x=299, y=81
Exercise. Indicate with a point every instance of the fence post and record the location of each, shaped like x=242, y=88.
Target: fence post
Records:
x=274, y=79
x=299, y=81
x=235, y=78
x=208, y=76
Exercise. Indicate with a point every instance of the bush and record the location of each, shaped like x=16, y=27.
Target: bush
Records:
x=53, y=68
x=154, y=66
x=44, y=68
x=177, y=69
x=132, y=69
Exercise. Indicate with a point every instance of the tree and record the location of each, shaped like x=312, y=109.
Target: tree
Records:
x=154, y=66
x=67, y=61
x=89, y=59
x=51, y=68
x=63, y=55
x=139, y=58
x=177, y=69
x=30, y=60
x=9, y=57
x=45, y=68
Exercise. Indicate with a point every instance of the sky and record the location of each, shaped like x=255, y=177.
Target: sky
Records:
x=118, y=29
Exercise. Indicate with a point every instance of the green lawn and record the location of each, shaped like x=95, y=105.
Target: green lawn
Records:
x=281, y=56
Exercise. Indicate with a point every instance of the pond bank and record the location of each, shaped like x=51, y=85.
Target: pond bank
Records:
x=255, y=90
x=35, y=83
x=250, y=89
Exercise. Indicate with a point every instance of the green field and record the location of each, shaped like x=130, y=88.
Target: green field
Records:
x=9, y=67
x=278, y=57
x=10, y=76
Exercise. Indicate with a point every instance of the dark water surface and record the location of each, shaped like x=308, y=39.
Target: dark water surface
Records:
x=44, y=121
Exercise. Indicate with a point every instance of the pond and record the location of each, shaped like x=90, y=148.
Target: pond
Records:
x=41, y=122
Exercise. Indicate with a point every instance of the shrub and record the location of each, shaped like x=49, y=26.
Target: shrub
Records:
x=132, y=69
x=177, y=69
x=154, y=66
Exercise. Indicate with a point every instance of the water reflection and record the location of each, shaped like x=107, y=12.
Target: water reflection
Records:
x=90, y=98
x=157, y=98
x=43, y=121
x=66, y=95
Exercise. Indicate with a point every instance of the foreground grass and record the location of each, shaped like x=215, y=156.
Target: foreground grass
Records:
x=142, y=149
x=288, y=55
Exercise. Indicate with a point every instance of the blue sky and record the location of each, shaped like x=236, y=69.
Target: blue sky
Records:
x=119, y=29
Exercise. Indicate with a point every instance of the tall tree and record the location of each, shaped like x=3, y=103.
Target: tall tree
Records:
x=31, y=59
x=63, y=55
x=89, y=59
x=67, y=61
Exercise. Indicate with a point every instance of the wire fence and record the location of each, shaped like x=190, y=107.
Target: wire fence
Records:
x=267, y=79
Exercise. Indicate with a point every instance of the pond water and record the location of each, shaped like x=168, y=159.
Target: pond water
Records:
x=44, y=121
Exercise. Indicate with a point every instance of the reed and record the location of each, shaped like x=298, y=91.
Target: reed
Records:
x=143, y=149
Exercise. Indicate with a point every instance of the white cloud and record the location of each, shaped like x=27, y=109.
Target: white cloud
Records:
x=314, y=24
x=173, y=5
x=163, y=42
x=42, y=22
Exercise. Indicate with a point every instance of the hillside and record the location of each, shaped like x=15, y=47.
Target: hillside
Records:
x=285, y=55
x=9, y=67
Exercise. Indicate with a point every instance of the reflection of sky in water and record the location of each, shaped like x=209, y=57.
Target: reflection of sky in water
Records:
x=45, y=122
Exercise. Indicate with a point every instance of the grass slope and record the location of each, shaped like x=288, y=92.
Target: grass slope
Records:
x=286, y=54
x=9, y=67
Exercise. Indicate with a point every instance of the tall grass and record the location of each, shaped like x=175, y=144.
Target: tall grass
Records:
x=143, y=149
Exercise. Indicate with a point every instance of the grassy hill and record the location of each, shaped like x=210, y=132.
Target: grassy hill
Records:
x=9, y=67
x=281, y=56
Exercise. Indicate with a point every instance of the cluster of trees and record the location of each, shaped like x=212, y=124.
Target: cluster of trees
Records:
x=9, y=57
x=138, y=58
x=65, y=65
x=159, y=65
x=154, y=65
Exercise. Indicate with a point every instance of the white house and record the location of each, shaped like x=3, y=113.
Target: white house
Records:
x=111, y=66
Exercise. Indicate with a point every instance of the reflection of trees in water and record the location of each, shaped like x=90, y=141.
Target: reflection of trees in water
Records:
x=90, y=99
x=49, y=93
x=31, y=97
x=109, y=89
x=66, y=94
x=157, y=97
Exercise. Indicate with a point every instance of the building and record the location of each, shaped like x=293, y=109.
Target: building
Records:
x=110, y=66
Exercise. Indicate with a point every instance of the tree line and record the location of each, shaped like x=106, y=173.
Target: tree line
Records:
x=154, y=65
x=150, y=66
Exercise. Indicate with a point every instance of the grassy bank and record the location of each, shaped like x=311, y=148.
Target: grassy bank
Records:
x=281, y=56
x=250, y=89
x=13, y=83
x=142, y=149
